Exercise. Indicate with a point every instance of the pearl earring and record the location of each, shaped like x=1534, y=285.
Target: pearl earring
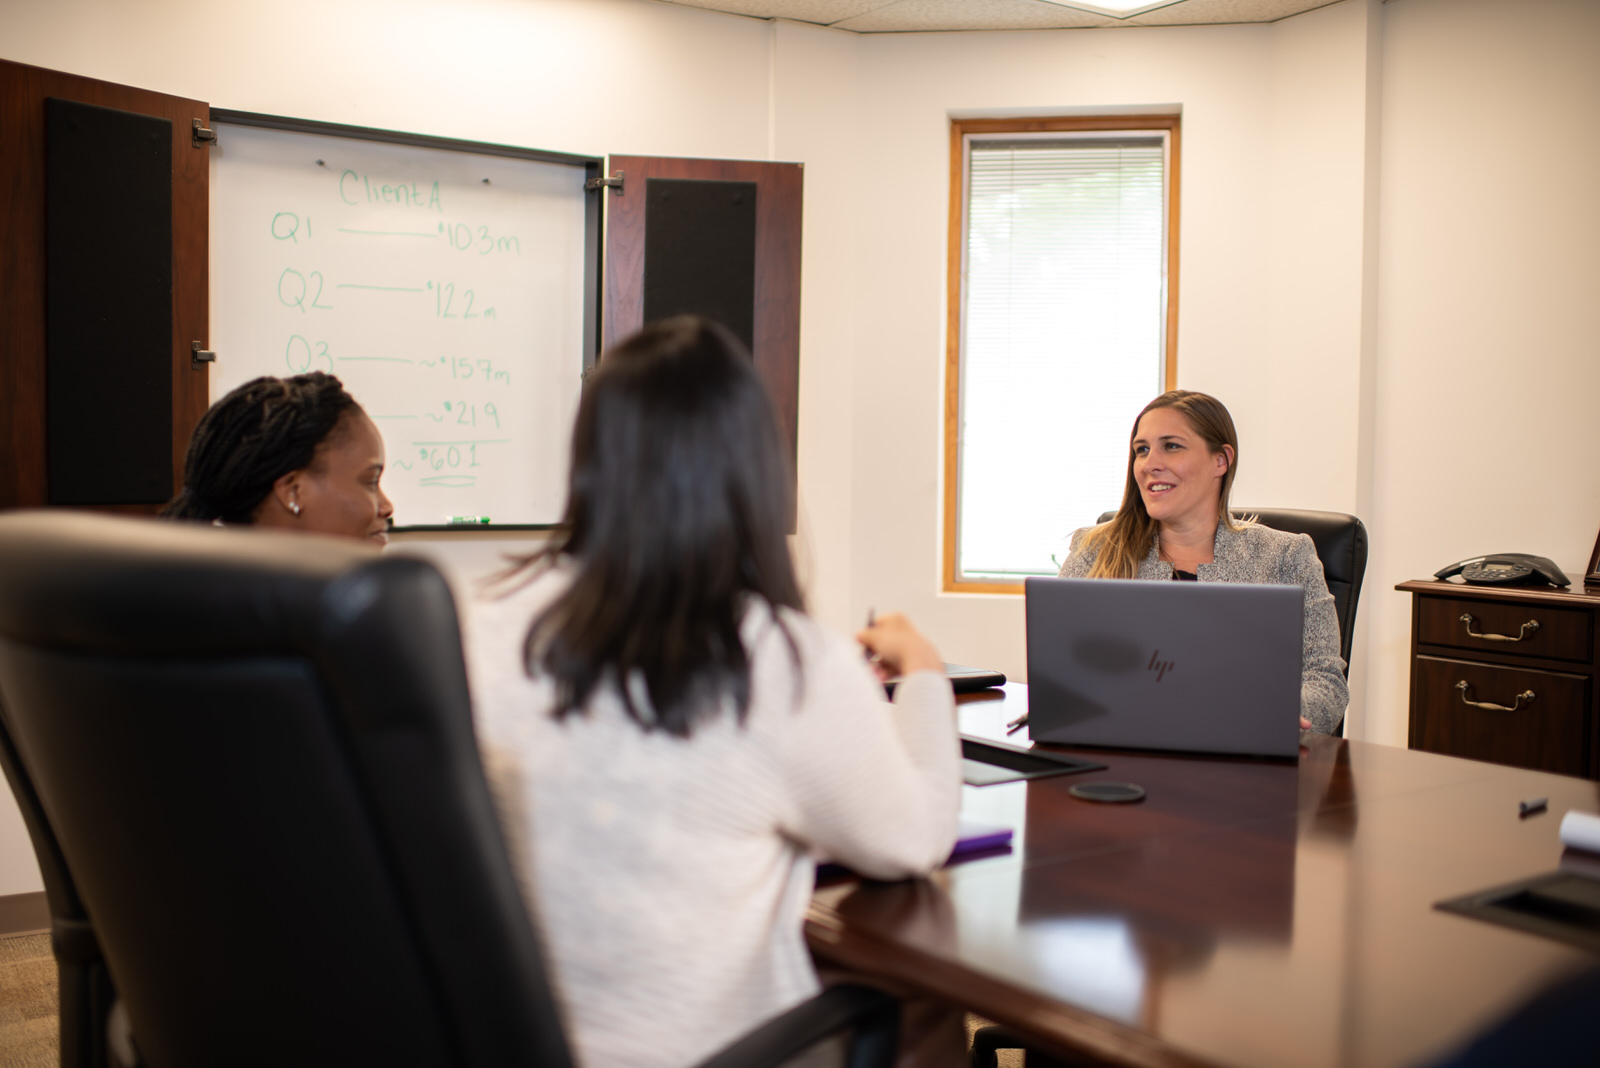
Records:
x=294, y=506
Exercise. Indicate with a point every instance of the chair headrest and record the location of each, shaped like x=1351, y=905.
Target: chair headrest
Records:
x=85, y=581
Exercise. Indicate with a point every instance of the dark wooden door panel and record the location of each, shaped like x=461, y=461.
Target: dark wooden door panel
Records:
x=24, y=336
x=776, y=320
x=1544, y=731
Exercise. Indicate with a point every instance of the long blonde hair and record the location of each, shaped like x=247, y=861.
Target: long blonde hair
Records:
x=1123, y=542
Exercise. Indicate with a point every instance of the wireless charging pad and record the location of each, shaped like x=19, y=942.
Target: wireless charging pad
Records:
x=1110, y=793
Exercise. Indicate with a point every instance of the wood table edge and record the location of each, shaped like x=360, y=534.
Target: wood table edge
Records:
x=1059, y=1028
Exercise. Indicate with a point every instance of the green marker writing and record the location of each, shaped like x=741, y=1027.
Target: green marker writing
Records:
x=477, y=520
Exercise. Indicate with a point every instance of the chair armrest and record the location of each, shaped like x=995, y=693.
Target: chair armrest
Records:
x=872, y=1014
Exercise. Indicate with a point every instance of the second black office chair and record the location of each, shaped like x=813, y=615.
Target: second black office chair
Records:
x=1341, y=543
x=251, y=760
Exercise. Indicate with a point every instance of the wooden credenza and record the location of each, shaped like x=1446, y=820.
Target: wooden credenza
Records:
x=1506, y=674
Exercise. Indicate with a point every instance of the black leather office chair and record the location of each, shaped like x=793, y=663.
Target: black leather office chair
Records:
x=1341, y=543
x=249, y=764
x=84, y=994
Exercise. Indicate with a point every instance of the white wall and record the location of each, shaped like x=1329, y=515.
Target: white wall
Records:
x=589, y=76
x=815, y=98
x=1487, y=362
x=1307, y=389
x=1365, y=266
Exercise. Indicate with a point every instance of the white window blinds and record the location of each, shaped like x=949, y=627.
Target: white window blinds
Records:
x=1063, y=330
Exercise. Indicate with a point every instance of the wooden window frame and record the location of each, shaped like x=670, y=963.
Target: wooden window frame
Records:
x=959, y=130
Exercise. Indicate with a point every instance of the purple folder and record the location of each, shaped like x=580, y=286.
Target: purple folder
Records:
x=979, y=836
x=975, y=840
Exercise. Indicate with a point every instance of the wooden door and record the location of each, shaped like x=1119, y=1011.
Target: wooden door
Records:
x=689, y=224
x=99, y=391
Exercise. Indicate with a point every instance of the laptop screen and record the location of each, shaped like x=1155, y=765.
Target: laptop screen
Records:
x=1186, y=666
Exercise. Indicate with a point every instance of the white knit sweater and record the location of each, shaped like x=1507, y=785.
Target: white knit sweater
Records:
x=669, y=878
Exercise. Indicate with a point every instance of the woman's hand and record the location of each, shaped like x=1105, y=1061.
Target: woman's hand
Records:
x=898, y=648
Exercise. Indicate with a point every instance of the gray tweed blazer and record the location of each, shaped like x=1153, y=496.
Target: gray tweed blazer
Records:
x=1255, y=553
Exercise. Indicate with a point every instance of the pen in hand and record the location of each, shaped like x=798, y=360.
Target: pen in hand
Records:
x=895, y=647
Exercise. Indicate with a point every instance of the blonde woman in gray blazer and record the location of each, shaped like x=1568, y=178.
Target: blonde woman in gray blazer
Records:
x=1174, y=524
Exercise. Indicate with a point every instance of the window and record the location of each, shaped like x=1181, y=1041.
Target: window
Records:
x=1062, y=322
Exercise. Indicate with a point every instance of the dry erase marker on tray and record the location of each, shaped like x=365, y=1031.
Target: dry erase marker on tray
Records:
x=466, y=520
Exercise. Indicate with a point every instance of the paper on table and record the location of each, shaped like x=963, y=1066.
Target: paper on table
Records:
x=1581, y=830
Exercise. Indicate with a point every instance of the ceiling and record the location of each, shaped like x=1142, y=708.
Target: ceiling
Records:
x=909, y=16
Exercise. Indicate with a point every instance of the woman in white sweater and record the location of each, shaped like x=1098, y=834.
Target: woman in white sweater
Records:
x=671, y=739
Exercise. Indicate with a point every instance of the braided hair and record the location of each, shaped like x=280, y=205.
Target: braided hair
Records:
x=252, y=437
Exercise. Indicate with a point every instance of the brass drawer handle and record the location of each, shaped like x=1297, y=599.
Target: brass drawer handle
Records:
x=1466, y=689
x=1528, y=628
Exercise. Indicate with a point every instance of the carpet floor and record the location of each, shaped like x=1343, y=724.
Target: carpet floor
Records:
x=29, y=1033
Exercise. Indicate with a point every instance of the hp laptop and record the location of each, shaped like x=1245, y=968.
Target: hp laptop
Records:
x=1196, y=667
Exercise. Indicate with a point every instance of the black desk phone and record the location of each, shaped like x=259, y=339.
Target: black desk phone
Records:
x=1506, y=569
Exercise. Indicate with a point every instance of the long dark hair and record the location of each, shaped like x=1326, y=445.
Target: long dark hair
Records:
x=676, y=522
x=1125, y=540
x=252, y=437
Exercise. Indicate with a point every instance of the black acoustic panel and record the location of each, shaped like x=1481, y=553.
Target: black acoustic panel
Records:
x=700, y=252
x=108, y=341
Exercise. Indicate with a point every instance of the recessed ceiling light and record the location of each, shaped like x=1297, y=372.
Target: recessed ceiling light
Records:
x=1117, y=9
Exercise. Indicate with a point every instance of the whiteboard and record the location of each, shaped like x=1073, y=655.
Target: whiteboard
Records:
x=452, y=291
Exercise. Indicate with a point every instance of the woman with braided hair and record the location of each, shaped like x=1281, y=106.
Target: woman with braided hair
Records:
x=293, y=453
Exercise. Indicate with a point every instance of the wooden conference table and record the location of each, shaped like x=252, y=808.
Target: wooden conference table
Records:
x=1244, y=913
